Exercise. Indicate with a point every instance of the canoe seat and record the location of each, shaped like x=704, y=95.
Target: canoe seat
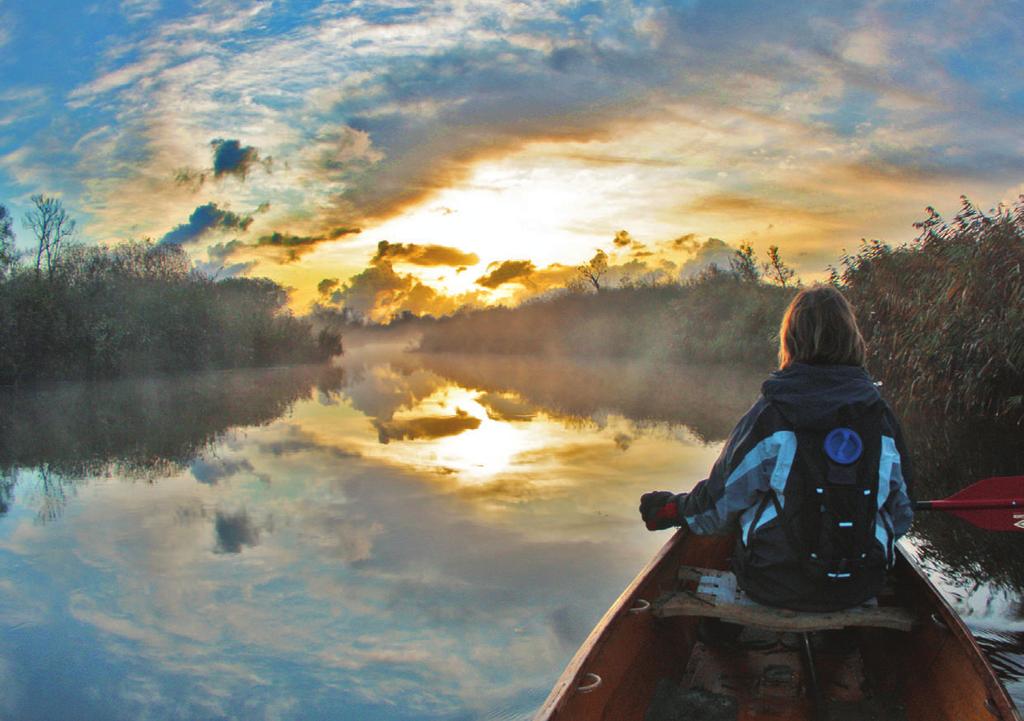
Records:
x=716, y=595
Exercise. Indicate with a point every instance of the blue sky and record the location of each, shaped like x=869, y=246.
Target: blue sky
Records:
x=511, y=130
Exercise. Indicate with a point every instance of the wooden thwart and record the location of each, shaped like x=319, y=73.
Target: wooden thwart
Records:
x=717, y=596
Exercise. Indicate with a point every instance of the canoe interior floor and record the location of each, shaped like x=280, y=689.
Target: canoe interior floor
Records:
x=761, y=676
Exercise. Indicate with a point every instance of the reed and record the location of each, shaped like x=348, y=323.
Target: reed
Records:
x=944, y=315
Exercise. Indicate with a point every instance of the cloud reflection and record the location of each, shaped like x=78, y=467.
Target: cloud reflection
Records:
x=427, y=427
x=235, y=530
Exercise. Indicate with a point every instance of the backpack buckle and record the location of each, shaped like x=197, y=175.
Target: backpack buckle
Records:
x=841, y=571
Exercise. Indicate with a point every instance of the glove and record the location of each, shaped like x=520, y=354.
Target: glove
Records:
x=660, y=509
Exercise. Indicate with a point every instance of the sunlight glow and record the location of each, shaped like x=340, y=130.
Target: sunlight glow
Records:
x=474, y=455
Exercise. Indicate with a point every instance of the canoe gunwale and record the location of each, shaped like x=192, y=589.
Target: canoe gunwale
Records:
x=997, y=694
x=575, y=671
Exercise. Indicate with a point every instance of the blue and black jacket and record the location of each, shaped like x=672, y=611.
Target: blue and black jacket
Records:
x=812, y=534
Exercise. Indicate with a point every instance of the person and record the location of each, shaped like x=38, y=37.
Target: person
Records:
x=813, y=479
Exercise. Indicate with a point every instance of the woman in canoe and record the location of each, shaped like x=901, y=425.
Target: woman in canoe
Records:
x=814, y=477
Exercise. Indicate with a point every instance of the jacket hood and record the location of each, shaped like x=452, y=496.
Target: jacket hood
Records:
x=811, y=396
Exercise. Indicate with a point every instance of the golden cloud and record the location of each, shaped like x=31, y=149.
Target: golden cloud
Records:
x=426, y=255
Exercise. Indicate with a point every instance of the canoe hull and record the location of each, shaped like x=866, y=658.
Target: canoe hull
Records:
x=937, y=669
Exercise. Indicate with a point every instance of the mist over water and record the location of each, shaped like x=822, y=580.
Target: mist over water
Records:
x=404, y=536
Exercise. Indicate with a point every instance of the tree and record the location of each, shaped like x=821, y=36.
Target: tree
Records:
x=592, y=271
x=776, y=270
x=53, y=228
x=744, y=264
x=8, y=253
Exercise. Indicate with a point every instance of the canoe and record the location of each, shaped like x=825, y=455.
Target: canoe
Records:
x=633, y=661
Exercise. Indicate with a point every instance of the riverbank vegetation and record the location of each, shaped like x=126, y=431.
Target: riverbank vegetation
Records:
x=716, y=317
x=944, y=315
x=76, y=312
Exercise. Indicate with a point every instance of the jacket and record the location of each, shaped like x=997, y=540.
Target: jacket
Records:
x=759, y=467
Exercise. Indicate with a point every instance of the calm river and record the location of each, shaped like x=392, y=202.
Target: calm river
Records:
x=402, y=536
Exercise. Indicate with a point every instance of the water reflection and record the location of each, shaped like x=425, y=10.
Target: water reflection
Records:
x=980, y=572
x=407, y=537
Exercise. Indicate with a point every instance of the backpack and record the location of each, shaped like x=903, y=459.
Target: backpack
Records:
x=832, y=499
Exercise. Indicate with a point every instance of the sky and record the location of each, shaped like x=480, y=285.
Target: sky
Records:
x=388, y=156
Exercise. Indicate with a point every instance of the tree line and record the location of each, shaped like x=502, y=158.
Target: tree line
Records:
x=72, y=311
x=723, y=315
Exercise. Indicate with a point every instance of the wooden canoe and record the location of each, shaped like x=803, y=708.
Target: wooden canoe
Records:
x=934, y=672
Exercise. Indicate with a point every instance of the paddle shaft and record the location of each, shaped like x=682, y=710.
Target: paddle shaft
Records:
x=966, y=505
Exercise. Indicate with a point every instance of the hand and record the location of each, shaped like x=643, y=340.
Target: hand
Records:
x=660, y=510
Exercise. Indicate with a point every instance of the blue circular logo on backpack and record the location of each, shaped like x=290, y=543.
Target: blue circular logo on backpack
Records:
x=843, y=445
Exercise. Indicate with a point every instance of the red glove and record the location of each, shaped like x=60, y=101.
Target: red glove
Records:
x=660, y=509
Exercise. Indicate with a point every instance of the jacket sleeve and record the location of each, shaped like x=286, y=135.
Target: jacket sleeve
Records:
x=895, y=477
x=753, y=461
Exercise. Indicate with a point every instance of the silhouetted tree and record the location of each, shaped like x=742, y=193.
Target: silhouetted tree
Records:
x=744, y=264
x=776, y=270
x=53, y=228
x=593, y=271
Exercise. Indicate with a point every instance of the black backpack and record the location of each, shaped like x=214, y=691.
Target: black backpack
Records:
x=832, y=498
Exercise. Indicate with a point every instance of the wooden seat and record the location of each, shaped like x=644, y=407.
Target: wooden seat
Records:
x=716, y=595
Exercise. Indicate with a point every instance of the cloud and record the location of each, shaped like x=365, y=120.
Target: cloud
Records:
x=635, y=272
x=426, y=255
x=231, y=158
x=507, y=407
x=713, y=251
x=289, y=247
x=220, y=271
x=757, y=207
x=327, y=285
x=126, y=75
x=683, y=242
x=622, y=239
x=366, y=118
x=206, y=219
x=428, y=427
x=235, y=530
x=287, y=240
x=221, y=252
x=136, y=10
x=509, y=271
x=379, y=293
x=217, y=265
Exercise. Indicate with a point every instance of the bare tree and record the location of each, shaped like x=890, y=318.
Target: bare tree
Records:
x=592, y=271
x=8, y=253
x=777, y=271
x=53, y=228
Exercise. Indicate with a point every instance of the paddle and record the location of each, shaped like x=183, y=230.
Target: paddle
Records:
x=995, y=504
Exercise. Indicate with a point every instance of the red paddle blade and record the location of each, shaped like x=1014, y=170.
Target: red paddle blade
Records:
x=995, y=504
x=995, y=488
x=994, y=519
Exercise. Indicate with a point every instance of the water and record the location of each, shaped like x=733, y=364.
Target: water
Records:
x=403, y=537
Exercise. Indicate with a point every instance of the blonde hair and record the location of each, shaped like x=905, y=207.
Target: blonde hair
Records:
x=820, y=327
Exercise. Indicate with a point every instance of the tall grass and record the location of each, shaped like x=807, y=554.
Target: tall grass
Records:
x=944, y=315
